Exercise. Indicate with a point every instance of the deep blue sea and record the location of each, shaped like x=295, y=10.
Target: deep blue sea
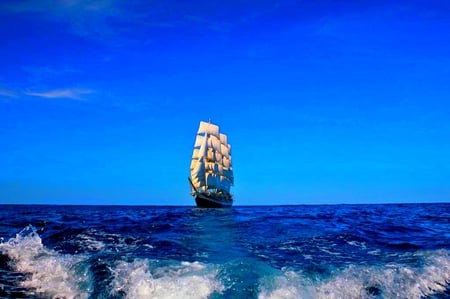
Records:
x=306, y=251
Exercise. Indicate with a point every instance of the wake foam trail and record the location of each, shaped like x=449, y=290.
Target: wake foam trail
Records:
x=184, y=280
x=290, y=285
x=359, y=282
x=49, y=274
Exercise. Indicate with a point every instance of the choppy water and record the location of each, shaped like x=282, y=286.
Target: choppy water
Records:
x=342, y=251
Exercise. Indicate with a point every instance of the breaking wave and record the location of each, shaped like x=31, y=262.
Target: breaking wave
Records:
x=185, y=280
x=359, y=282
x=244, y=253
x=48, y=273
x=55, y=275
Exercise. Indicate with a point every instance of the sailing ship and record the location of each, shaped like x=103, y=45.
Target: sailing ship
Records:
x=211, y=171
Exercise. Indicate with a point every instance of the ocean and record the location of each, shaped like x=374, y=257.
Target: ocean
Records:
x=303, y=251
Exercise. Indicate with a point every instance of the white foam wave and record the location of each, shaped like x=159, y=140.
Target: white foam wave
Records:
x=286, y=286
x=359, y=282
x=185, y=280
x=52, y=274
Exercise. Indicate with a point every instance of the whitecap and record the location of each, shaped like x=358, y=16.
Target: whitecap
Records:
x=359, y=282
x=289, y=285
x=392, y=280
x=182, y=280
x=50, y=274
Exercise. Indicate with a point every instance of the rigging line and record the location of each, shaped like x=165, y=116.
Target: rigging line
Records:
x=192, y=184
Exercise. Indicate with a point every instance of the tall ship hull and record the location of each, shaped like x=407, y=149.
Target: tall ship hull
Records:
x=211, y=171
x=210, y=201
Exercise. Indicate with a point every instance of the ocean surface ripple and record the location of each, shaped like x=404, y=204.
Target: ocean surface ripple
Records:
x=305, y=251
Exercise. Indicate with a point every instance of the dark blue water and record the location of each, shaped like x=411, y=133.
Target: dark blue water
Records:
x=336, y=251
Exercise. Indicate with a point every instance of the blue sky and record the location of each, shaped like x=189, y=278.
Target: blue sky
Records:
x=323, y=101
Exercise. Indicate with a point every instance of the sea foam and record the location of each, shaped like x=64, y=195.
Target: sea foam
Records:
x=182, y=280
x=359, y=282
x=49, y=273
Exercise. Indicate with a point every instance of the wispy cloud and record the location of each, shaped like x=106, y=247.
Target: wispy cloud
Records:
x=7, y=93
x=65, y=93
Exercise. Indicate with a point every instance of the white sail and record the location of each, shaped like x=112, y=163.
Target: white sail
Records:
x=223, y=138
x=219, y=169
x=194, y=163
x=218, y=158
x=224, y=149
x=214, y=143
x=209, y=129
x=210, y=167
x=199, y=141
x=198, y=165
x=195, y=154
x=198, y=175
x=226, y=163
